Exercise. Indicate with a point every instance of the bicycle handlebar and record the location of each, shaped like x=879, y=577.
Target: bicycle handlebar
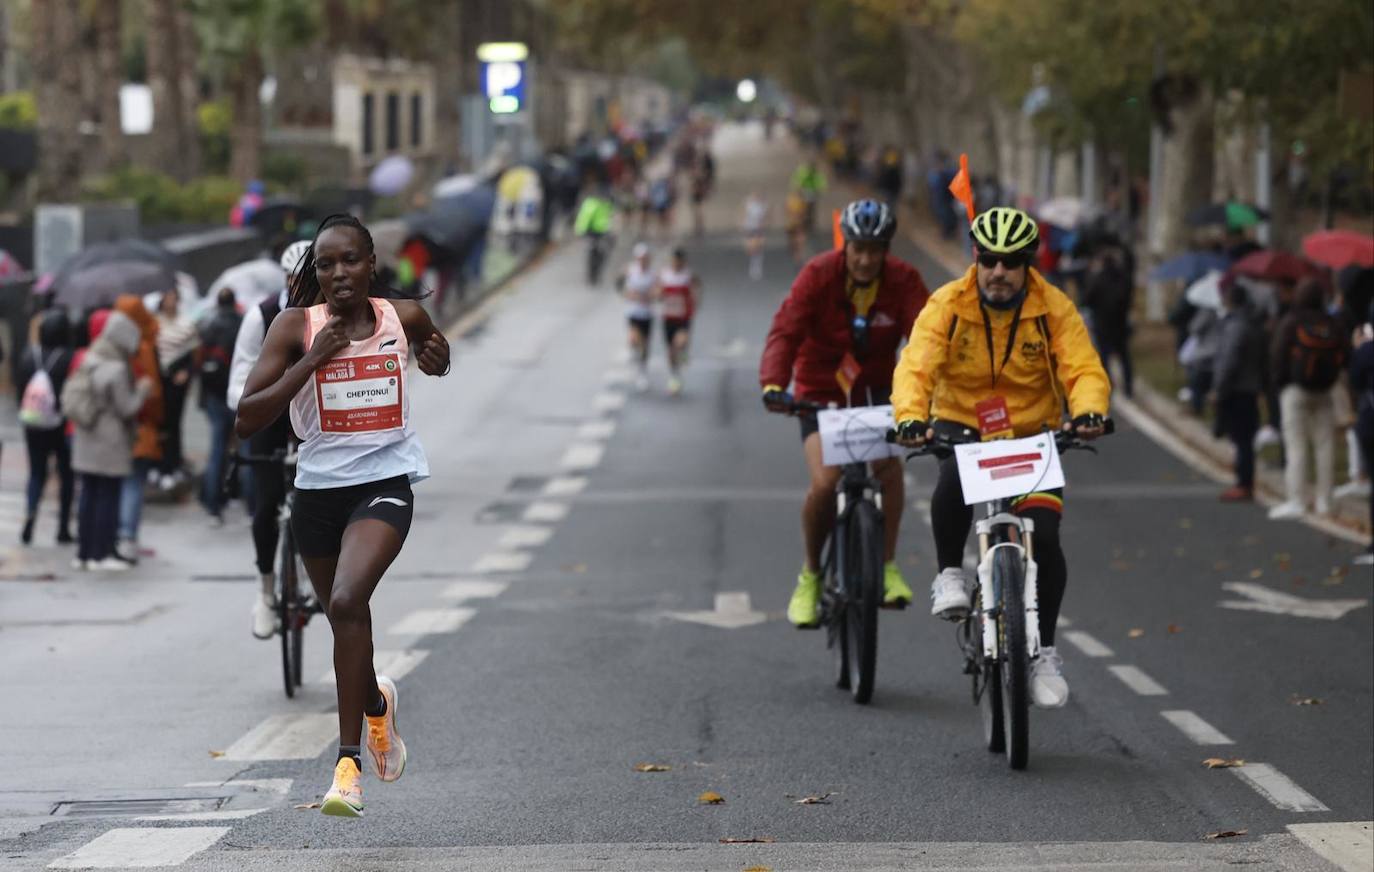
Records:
x=1064, y=440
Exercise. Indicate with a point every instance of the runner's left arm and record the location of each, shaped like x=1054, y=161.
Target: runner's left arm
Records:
x=430, y=347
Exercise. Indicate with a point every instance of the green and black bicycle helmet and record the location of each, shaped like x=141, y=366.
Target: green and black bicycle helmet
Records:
x=1004, y=230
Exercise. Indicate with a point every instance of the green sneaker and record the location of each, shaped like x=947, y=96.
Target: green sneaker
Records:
x=896, y=595
x=804, y=609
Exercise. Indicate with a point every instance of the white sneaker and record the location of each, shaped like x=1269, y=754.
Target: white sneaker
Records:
x=127, y=549
x=264, y=616
x=949, y=595
x=1267, y=435
x=1286, y=511
x=1047, y=684
x=111, y=564
x=674, y=386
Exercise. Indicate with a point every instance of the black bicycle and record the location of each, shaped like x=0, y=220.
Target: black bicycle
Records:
x=852, y=570
x=296, y=605
x=1000, y=637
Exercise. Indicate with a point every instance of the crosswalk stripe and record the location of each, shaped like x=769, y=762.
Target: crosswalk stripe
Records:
x=123, y=847
x=394, y=664
x=424, y=622
x=286, y=737
x=582, y=456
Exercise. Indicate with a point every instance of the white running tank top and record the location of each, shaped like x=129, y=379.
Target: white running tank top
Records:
x=639, y=286
x=353, y=415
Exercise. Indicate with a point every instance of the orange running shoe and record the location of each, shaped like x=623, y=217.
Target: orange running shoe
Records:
x=384, y=746
x=345, y=797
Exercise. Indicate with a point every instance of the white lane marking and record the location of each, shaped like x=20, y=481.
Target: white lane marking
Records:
x=582, y=456
x=1087, y=643
x=545, y=513
x=608, y=401
x=594, y=431
x=393, y=664
x=466, y=590
x=524, y=537
x=733, y=610
x=1259, y=598
x=286, y=737
x=1276, y=787
x=141, y=847
x=237, y=814
x=619, y=375
x=1196, y=728
x=424, y=622
x=503, y=561
x=1063, y=621
x=565, y=486
x=1348, y=845
x=1138, y=681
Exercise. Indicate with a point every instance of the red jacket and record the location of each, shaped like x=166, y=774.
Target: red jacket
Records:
x=811, y=331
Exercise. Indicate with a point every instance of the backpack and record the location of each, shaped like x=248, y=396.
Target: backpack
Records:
x=38, y=406
x=79, y=399
x=1317, y=356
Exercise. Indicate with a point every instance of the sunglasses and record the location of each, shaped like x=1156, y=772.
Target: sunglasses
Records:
x=1009, y=261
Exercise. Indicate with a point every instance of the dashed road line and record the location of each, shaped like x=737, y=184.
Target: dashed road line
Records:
x=300, y=736
x=425, y=622
x=123, y=847
x=565, y=486
x=1088, y=644
x=581, y=456
x=608, y=401
x=394, y=664
x=524, y=537
x=620, y=375
x=472, y=589
x=1195, y=728
x=504, y=561
x=541, y=512
x=1278, y=788
x=597, y=430
x=1349, y=845
x=1138, y=681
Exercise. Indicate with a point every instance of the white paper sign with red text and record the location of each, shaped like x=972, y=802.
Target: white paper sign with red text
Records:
x=1008, y=468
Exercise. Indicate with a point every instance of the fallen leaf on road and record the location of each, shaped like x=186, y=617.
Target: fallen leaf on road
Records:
x=1303, y=700
x=1339, y=571
x=757, y=840
x=1120, y=565
x=819, y=799
x=1225, y=834
x=217, y=754
x=1185, y=523
x=759, y=869
x=1179, y=552
x=1175, y=628
x=710, y=797
x=1135, y=632
x=307, y=805
x=652, y=767
x=1221, y=565
x=1256, y=573
x=1222, y=763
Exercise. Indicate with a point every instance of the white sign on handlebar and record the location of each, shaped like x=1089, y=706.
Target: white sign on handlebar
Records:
x=856, y=435
x=1008, y=468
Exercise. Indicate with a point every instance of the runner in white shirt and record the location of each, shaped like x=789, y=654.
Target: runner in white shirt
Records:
x=637, y=286
x=755, y=225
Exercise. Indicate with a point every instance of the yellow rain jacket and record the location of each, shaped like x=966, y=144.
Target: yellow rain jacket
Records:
x=945, y=368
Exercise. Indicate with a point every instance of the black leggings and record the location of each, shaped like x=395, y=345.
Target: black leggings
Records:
x=951, y=521
x=44, y=446
x=269, y=490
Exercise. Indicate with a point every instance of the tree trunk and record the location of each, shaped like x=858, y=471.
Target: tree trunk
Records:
x=55, y=39
x=111, y=73
x=245, y=138
x=188, y=90
x=171, y=76
x=1187, y=166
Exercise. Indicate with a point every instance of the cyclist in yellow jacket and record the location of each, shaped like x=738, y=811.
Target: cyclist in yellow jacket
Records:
x=1000, y=352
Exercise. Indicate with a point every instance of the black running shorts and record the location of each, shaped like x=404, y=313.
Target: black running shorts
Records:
x=319, y=517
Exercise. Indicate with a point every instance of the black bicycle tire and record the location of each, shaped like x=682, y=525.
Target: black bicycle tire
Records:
x=864, y=586
x=288, y=609
x=1016, y=657
x=833, y=612
x=990, y=674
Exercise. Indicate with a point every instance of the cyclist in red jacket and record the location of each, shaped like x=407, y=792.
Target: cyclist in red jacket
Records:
x=835, y=339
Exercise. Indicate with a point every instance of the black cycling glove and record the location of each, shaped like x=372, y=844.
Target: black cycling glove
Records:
x=775, y=399
x=912, y=431
x=1091, y=421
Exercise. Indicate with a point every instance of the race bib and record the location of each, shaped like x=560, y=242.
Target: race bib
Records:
x=360, y=394
x=675, y=305
x=994, y=419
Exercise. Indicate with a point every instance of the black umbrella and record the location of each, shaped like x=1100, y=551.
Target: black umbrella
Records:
x=97, y=286
x=278, y=216
x=123, y=251
x=1233, y=214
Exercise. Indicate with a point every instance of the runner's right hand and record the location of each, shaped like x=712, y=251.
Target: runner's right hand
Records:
x=914, y=434
x=775, y=399
x=330, y=340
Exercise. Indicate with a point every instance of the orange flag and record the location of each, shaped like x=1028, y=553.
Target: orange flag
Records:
x=838, y=234
x=961, y=188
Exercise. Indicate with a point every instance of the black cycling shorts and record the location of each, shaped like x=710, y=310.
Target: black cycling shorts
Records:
x=810, y=425
x=319, y=517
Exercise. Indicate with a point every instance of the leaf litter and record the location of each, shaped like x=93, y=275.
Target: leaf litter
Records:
x=1223, y=763
x=652, y=767
x=1225, y=834
x=710, y=797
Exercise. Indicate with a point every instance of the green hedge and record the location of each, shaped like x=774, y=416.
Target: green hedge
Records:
x=161, y=199
x=17, y=110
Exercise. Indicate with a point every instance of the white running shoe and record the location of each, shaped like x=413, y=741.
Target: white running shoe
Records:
x=949, y=597
x=1047, y=684
x=1286, y=511
x=674, y=386
x=264, y=616
x=1266, y=436
x=110, y=564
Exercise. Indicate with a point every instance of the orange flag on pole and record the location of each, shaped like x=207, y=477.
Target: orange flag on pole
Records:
x=962, y=188
x=837, y=233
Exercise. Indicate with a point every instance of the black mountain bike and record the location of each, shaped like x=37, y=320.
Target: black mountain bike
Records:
x=295, y=604
x=1000, y=637
x=852, y=572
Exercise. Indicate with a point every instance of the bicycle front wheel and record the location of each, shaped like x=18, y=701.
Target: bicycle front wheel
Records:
x=289, y=613
x=987, y=680
x=864, y=593
x=1015, y=664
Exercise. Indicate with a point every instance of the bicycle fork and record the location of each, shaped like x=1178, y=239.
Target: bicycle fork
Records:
x=989, y=599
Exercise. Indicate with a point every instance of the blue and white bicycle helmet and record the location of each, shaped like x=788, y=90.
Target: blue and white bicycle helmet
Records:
x=868, y=221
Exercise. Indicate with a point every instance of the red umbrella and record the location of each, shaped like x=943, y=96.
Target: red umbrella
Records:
x=1273, y=266
x=1339, y=248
